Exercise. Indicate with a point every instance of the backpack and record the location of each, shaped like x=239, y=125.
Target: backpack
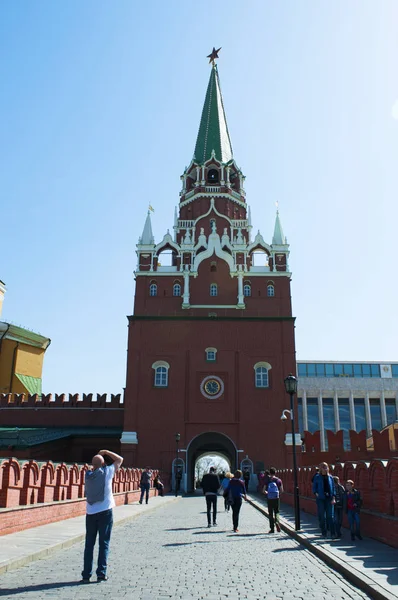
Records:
x=273, y=490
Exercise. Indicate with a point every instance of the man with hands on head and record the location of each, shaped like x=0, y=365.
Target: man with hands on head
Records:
x=99, y=513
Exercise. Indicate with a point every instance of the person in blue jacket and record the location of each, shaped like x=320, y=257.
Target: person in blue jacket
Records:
x=325, y=494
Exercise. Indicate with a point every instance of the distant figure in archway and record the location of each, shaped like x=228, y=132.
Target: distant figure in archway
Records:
x=246, y=477
x=236, y=490
x=210, y=486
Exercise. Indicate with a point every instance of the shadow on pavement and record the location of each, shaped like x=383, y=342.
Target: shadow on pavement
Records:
x=186, y=528
x=39, y=588
x=176, y=544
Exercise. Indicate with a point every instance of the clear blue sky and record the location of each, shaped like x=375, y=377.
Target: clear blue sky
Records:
x=100, y=104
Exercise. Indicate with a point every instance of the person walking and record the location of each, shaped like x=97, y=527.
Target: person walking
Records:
x=338, y=507
x=325, y=494
x=145, y=485
x=352, y=505
x=157, y=483
x=210, y=486
x=236, y=490
x=246, y=478
x=224, y=485
x=99, y=512
x=274, y=488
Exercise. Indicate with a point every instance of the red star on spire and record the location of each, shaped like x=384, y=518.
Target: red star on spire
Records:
x=214, y=54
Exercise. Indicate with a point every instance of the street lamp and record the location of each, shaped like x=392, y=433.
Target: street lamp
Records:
x=178, y=437
x=291, y=389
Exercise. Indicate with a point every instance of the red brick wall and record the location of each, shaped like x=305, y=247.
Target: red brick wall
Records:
x=60, y=486
x=250, y=416
x=378, y=483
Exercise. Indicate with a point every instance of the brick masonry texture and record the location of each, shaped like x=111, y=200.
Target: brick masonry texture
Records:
x=170, y=553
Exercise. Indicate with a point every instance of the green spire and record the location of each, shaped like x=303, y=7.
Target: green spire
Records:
x=213, y=130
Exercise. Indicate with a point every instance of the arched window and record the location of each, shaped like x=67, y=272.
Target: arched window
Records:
x=211, y=354
x=261, y=374
x=153, y=289
x=213, y=289
x=213, y=176
x=161, y=369
x=213, y=267
x=247, y=289
x=270, y=290
x=176, y=289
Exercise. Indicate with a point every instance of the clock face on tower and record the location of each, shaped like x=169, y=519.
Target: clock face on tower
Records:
x=212, y=387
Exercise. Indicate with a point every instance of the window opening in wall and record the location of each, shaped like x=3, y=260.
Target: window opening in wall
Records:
x=375, y=413
x=213, y=176
x=176, y=289
x=213, y=289
x=153, y=289
x=261, y=377
x=166, y=258
x=312, y=414
x=391, y=410
x=211, y=354
x=247, y=290
x=360, y=415
x=270, y=291
x=259, y=258
x=213, y=267
x=161, y=377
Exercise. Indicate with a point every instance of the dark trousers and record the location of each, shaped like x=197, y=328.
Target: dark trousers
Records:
x=338, y=519
x=247, y=481
x=211, y=501
x=100, y=523
x=235, y=512
x=144, y=490
x=161, y=489
x=355, y=522
x=325, y=515
x=273, y=511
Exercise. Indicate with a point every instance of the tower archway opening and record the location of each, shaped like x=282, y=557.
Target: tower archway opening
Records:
x=213, y=444
x=259, y=258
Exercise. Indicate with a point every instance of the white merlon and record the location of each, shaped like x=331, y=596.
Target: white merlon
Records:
x=129, y=437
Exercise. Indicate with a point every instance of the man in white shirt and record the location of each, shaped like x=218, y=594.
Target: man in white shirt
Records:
x=99, y=513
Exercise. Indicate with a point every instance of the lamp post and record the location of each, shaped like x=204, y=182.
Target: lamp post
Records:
x=178, y=437
x=291, y=389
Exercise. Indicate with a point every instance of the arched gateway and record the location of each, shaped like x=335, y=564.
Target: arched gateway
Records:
x=210, y=442
x=209, y=345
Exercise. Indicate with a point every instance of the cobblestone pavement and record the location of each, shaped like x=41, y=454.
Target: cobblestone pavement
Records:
x=170, y=553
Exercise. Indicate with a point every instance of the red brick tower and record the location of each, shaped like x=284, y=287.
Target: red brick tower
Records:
x=212, y=335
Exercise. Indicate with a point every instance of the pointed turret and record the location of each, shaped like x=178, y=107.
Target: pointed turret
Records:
x=147, y=238
x=278, y=237
x=213, y=130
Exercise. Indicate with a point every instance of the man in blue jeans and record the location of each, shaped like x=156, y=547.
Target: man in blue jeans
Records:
x=325, y=494
x=99, y=513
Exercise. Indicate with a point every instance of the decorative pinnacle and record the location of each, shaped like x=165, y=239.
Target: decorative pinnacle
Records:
x=213, y=56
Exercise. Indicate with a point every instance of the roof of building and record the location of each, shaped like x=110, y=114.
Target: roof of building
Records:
x=24, y=437
x=147, y=238
x=25, y=336
x=279, y=237
x=213, y=130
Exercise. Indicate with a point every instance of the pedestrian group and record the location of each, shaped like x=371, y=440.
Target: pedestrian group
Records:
x=332, y=499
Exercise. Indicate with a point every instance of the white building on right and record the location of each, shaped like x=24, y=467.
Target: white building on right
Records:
x=346, y=395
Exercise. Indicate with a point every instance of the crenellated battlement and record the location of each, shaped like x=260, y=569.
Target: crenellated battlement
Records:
x=62, y=410
x=37, y=401
x=382, y=444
